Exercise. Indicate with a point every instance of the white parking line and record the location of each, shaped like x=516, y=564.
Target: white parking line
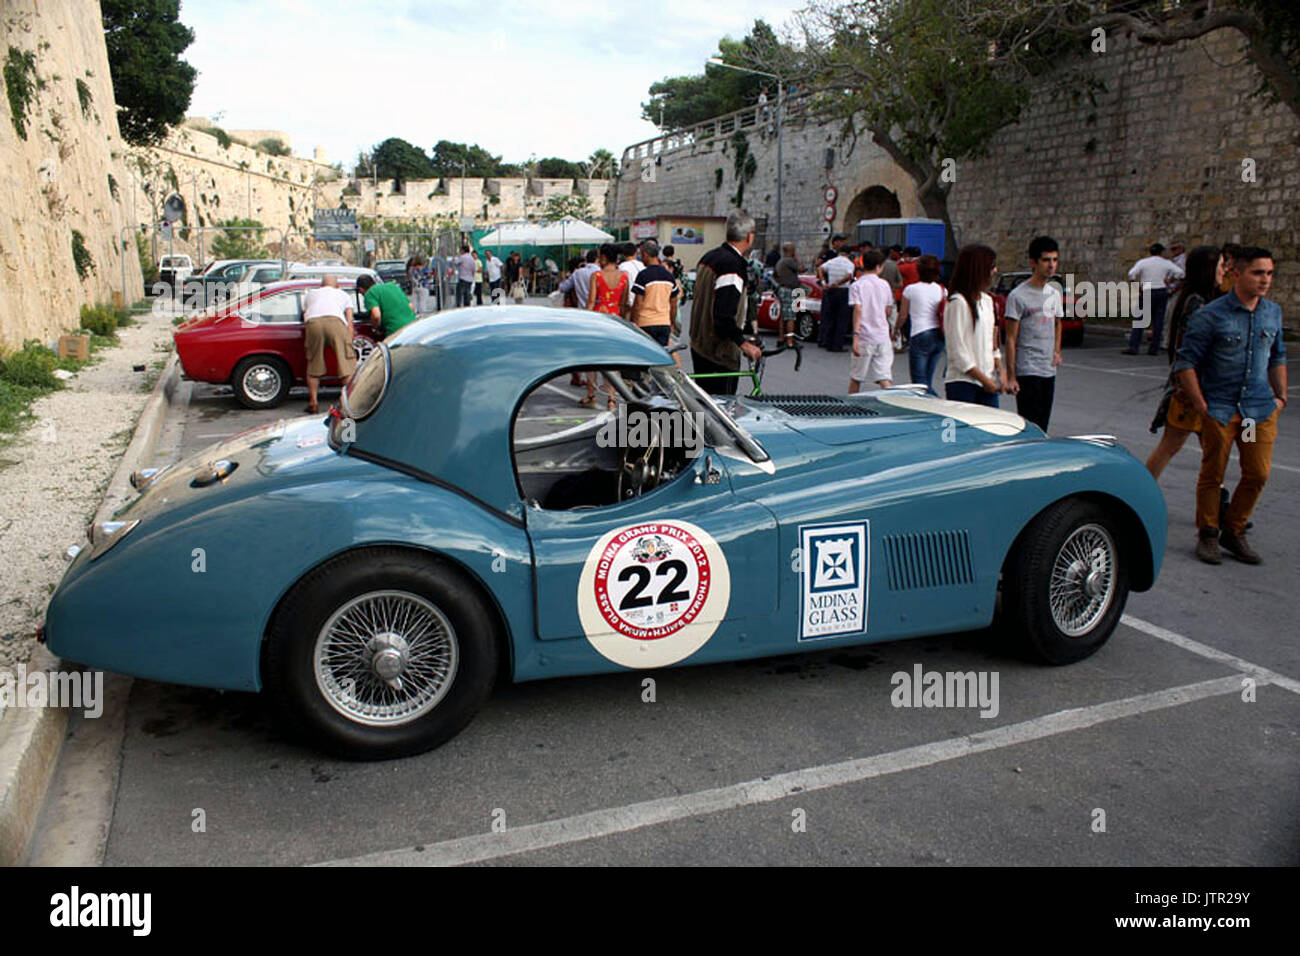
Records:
x=1223, y=657
x=614, y=820
x=1116, y=371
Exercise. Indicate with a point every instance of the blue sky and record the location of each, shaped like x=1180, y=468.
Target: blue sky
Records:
x=553, y=77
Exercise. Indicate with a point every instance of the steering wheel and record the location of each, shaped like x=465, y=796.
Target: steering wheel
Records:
x=641, y=470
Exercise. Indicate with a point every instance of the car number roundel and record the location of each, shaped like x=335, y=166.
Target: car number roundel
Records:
x=652, y=594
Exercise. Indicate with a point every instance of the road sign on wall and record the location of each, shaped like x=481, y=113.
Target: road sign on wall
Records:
x=335, y=225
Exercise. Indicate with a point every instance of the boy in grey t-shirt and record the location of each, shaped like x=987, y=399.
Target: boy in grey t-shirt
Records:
x=1033, y=333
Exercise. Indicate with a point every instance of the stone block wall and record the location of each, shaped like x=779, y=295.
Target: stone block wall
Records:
x=1159, y=156
x=68, y=174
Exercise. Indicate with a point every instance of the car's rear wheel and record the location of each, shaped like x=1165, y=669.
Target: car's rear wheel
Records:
x=380, y=653
x=1065, y=584
x=806, y=326
x=1073, y=338
x=261, y=381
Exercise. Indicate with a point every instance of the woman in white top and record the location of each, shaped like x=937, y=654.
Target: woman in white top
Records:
x=974, y=360
x=920, y=308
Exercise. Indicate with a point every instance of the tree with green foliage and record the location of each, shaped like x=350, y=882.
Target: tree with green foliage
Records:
x=447, y=158
x=573, y=206
x=151, y=83
x=243, y=241
x=926, y=86
x=601, y=164
x=397, y=159
x=552, y=167
x=273, y=146
x=680, y=101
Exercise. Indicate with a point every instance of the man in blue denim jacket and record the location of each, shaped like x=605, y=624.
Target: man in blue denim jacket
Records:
x=1232, y=367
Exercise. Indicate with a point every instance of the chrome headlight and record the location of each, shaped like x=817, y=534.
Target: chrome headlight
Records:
x=213, y=472
x=145, y=477
x=104, y=534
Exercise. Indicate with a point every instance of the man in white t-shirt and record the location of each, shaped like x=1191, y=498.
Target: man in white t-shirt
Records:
x=872, y=301
x=836, y=273
x=327, y=321
x=1154, y=272
x=632, y=266
x=492, y=270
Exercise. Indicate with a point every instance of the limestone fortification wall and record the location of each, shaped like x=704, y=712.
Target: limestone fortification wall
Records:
x=694, y=173
x=62, y=177
x=487, y=200
x=1158, y=156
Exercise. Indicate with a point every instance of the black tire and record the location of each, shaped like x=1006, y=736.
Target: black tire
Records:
x=1027, y=611
x=289, y=662
x=806, y=326
x=1074, y=339
x=261, y=381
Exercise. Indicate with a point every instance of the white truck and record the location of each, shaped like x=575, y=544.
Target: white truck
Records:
x=174, y=270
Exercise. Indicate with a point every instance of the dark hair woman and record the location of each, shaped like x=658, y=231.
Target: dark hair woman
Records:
x=974, y=361
x=1205, y=269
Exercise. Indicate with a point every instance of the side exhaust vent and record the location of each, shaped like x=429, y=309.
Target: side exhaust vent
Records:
x=928, y=559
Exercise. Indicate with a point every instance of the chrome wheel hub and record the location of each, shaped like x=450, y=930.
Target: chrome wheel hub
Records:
x=1083, y=580
x=385, y=658
x=262, y=382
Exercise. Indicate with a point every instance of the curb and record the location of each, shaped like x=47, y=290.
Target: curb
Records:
x=33, y=737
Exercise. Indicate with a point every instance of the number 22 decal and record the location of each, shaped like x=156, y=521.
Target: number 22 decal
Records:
x=669, y=593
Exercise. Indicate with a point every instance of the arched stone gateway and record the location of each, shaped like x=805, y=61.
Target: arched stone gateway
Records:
x=874, y=202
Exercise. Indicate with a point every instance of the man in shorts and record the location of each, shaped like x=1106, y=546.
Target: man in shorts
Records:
x=871, y=299
x=327, y=316
x=654, y=296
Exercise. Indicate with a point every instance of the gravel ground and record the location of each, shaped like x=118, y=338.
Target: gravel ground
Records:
x=53, y=475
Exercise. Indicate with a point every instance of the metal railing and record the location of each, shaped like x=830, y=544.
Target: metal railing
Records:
x=702, y=137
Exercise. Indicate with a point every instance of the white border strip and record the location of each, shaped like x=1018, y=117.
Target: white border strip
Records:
x=608, y=822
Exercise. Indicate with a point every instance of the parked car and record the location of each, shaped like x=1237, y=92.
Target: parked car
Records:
x=175, y=269
x=373, y=571
x=807, y=314
x=255, y=344
x=1071, y=325
x=394, y=270
x=223, y=280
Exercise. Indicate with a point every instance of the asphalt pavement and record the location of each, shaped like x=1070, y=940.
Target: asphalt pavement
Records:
x=1153, y=751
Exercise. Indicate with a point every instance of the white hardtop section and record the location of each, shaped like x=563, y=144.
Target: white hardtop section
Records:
x=992, y=420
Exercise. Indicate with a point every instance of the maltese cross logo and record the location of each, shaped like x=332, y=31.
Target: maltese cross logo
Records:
x=834, y=563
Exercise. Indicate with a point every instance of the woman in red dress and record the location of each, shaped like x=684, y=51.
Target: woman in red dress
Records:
x=608, y=295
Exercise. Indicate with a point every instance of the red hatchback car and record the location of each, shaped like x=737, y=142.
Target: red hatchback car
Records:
x=255, y=344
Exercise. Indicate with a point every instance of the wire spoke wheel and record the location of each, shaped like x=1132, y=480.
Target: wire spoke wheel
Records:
x=385, y=658
x=1083, y=580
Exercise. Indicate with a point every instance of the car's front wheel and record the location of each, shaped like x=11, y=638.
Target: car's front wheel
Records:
x=261, y=381
x=1066, y=582
x=806, y=326
x=380, y=653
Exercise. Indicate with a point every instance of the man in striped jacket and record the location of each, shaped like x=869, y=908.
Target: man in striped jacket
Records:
x=718, y=312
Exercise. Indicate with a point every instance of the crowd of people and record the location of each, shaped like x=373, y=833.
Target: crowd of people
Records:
x=1227, y=380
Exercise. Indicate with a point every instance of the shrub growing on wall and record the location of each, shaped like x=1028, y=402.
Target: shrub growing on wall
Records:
x=81, y=256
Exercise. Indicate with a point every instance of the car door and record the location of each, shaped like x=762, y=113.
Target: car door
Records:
x=275, y=327
x=686, y=571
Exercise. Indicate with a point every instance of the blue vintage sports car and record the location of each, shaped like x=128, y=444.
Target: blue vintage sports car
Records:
x=462, y=519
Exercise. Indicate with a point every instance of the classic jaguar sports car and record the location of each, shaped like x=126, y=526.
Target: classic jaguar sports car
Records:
x=462, y=519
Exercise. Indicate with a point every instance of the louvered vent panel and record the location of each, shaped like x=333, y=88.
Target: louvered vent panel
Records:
x=928, y=559
x=817, y=406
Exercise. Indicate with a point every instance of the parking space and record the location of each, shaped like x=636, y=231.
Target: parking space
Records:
x=1184, y=731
